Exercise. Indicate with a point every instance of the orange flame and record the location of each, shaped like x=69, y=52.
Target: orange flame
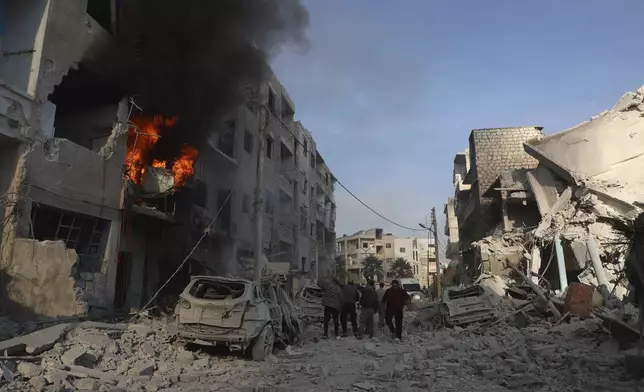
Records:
x=143, y=135
x=183, y=167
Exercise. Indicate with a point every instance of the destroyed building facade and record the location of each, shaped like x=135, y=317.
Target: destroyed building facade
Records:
x=491, y=152
x=90, y=226
x=564, y=210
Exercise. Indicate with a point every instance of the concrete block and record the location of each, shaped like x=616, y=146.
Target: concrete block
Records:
x=185, y=357
x=146, y=369
x=29, y=370
x=87, y=384
x=94, y=340
x=87, y=276
x=201, y=363
x=44, y=339
x=77, y=356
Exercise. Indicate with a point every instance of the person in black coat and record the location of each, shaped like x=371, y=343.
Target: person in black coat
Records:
x=395, y=299
x=369, y=307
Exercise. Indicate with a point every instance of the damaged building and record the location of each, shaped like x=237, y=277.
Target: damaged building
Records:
x=104, y=192
x=567, y=213
x=492, y=151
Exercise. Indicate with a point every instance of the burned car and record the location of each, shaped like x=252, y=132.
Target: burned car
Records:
x=309, y=302
x=232, y=312
x=472, y=304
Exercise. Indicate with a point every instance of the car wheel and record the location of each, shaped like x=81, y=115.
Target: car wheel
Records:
x=263, y=345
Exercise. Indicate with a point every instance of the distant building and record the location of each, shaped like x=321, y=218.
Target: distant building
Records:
x=352, y=250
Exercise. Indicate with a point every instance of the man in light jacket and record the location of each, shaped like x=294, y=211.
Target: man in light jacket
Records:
x=332, y=300
x=381, y=306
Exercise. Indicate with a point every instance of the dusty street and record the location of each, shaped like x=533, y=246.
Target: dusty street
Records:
x=539, y=357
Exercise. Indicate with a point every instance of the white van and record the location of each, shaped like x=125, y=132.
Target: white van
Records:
x=412, y=287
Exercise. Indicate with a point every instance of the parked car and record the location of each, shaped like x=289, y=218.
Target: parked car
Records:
x=233, y=312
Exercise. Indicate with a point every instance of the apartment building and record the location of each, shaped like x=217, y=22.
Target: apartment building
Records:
x=354, y=249
x=299, y=206
x=91, y=223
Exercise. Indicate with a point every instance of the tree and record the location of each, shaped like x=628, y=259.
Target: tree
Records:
x=401, y=268
x=372, y=266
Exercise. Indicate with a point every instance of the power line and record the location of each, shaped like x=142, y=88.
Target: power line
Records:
x=371, y=209
x=295, y=137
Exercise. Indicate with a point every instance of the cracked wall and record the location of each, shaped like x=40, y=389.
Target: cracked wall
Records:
x=39, y=281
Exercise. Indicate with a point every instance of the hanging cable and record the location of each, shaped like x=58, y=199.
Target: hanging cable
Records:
x=185, y=260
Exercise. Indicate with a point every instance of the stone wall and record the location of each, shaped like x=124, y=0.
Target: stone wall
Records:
x=495, y=150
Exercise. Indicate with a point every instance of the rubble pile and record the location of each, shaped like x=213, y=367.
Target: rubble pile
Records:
x=101, y=356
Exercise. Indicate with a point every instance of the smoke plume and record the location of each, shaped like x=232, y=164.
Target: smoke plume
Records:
x=193, y=58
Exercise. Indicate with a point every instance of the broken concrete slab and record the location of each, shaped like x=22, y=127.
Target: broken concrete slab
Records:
x=12, y=346
x=543, y=185
x=44, y=339
x=94, y=340
x=559, y=205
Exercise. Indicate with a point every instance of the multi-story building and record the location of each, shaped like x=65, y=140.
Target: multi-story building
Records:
x=492, y=151
x=418, y=252
x=92, y=223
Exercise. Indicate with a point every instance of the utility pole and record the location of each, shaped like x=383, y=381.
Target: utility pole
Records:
x=438, y=266
x=259, y=201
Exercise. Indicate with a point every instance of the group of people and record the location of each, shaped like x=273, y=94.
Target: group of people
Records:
x=340, y=300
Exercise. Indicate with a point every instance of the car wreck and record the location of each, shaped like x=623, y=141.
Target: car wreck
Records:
x=237, y=313
x=465, y=306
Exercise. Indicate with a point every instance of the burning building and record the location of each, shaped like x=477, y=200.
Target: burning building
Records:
x=125, y=129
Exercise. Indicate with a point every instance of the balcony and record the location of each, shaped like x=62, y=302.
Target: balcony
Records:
x=285, y=185
x=285, y=231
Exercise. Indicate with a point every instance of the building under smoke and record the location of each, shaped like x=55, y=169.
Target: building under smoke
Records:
x=123, y=135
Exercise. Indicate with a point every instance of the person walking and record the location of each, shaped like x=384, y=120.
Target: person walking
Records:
x=369, y=306
x=332, y=300
x=350, y=297
x=381, y=306
x=395, y=299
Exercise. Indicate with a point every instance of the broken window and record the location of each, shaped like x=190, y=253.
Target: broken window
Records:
x=272, y=102
x=223, y=290
x=269, y=147
x=227, y=139
x=201, y=193
x=248, y=142
x=365, y=245
x=268, y=202
x=80, y=232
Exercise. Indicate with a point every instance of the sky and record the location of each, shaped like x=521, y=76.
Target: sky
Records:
x=391, y=90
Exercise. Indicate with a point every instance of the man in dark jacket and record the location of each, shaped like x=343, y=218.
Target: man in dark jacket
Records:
x=350, y=295
x=332, y=300
x=395, y=299
x=369, y=306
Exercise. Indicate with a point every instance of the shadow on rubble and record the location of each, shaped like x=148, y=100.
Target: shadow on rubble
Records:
x=218, y=351
x=10, y=308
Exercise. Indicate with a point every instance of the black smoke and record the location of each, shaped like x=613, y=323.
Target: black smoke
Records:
x=194, y=58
